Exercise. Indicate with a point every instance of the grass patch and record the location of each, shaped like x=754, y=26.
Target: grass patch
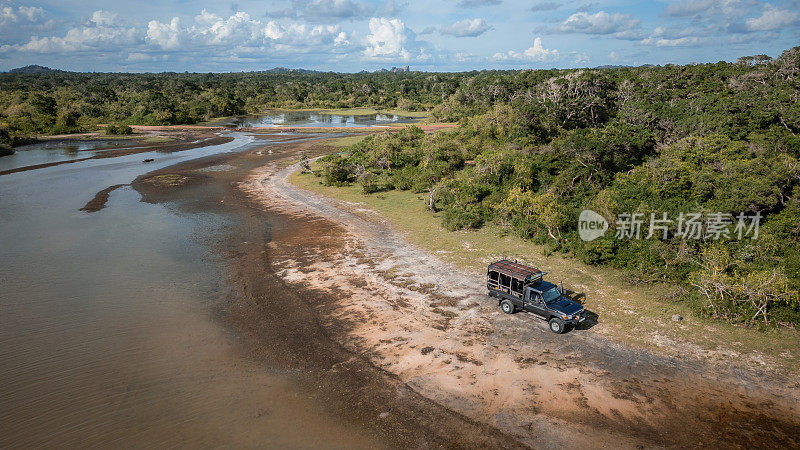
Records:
x=215, y=120
x=170, y=180
x=637, y=315
x=345, y=141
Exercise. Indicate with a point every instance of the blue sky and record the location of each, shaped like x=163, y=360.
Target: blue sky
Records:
x=353, y=35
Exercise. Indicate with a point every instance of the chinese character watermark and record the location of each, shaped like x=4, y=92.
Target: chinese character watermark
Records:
x=688, y=226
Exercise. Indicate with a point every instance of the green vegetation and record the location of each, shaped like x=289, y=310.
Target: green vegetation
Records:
x=119, y=130
x=639, y=315
x=713, y=138
x=65, y=102
x=531, y=151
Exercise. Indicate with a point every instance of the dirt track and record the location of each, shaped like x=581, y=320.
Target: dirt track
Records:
x=433, y=327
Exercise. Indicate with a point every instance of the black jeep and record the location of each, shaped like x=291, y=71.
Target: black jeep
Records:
x=519, y=287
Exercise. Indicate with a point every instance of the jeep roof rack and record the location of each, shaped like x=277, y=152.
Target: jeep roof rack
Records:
x=517, y=270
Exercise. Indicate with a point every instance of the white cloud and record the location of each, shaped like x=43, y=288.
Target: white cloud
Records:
x=9, y=14
x=341, y=40
x=599, y=23
x=771, y=19
x=139, y=57
x=386, y=39
x=165, y=35
x=678, y=37
x=101, y=17
x=242, y=34
x=580, y=57
x=467, y=28
x=99, y=38
x=687, y=41
x=273, y=31
x=215, y=30
x=32, y=13
x=535, y=53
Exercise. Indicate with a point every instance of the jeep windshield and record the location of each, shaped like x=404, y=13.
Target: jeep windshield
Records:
x=551, y=295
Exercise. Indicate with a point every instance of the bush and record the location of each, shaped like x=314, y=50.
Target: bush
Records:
x=369, y=182
x=119, y=130
x=405, y=177
x=461, y=219
x=336, y=171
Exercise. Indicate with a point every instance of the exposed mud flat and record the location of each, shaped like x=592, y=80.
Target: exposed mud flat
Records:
x=433, y=327
x=282, y=325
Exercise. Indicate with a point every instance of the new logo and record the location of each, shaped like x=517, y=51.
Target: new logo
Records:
x=591, y=225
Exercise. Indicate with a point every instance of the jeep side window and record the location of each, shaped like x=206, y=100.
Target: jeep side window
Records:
x=516, y=285
x=505, y=280
x=493, y=276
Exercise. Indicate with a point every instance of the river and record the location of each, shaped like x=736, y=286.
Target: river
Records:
x=109, y=321
x=319, y=119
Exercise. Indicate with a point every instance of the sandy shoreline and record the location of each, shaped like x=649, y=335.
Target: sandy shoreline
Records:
x=433, y=327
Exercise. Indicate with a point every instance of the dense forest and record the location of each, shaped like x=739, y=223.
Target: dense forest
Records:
x=713, y=147
x=64, y=102
x=534, y=148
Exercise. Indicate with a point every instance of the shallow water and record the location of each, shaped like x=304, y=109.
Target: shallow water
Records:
x=57, y=150
x=317, y=119
x=108, y=334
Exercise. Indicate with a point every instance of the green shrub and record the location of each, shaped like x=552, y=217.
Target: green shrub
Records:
x=336, y=170
x=461, y=219
x=119, y=130
x=369, y=182
x=405, y=177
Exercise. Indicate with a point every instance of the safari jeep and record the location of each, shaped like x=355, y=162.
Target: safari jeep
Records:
x=522, y=288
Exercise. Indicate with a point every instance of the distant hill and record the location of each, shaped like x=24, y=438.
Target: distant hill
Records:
x=287, y=70
x=34, y=69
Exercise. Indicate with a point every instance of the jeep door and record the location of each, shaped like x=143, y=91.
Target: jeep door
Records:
x=536, y=305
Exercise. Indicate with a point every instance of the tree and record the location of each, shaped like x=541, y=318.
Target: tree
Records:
x=542, y=209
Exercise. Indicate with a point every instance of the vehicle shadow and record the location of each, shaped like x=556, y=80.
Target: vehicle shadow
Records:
x=592, y=318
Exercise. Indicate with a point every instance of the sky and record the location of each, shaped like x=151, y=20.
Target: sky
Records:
x=355, y=35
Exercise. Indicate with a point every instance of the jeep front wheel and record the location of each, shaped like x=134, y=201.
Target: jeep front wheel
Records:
x=507, y=307
x=556, y=325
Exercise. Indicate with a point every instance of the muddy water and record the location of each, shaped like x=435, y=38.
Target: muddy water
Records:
x=108, y=327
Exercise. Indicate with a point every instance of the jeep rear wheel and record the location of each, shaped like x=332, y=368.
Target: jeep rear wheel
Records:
x=556, y=325
x=507, y=307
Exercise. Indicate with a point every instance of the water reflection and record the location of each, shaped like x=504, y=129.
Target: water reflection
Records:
x=319, y=119
x=58, y=150
x=106, y=333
